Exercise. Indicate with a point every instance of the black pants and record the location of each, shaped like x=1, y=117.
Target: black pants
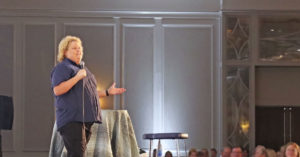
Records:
x=76, y=137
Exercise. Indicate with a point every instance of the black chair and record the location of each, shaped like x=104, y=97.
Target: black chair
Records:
x=160, y=136
x=6, y=116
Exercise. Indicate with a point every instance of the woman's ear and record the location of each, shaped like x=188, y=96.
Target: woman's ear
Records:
x=65, y=51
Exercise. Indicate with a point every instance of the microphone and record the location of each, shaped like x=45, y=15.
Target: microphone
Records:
x=82, y=64
x=83, y=112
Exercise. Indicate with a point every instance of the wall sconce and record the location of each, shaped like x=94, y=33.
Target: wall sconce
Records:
x=245, y=125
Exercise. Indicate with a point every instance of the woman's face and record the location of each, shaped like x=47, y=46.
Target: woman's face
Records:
x=194, y=154
x=74, y=52
x=258, y=153
x=291, y=151
x=168, y=155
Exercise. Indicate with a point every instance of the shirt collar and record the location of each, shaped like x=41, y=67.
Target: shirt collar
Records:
x=70, y=61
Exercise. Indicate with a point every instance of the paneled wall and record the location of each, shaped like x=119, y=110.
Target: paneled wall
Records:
x=39, y=45
x=188, y=81
x=138, y=78
x=121, y=5
x=169, y=63
x=6, y=71
x=276, y=91
x=287, y=5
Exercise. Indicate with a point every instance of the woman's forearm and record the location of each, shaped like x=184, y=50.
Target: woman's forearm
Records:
x=65, y=86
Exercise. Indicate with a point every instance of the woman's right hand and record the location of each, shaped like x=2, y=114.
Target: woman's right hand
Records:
x=81, y=74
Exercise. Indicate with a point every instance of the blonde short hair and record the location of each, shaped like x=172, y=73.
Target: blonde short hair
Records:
x=295, y=145
x=64, y=45
x=271, y=153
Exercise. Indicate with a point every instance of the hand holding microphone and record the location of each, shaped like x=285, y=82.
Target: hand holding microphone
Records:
x=82, y=72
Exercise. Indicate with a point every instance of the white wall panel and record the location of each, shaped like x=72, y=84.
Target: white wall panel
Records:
x=6, y=74
x=138, y=77
x=188, y=81
x=39, y=48
x=6, y=59
x=277, y=86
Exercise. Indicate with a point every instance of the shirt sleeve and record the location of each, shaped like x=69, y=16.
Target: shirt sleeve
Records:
x=60, y=74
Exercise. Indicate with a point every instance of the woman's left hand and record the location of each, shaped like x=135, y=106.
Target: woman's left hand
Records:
x=112, y=90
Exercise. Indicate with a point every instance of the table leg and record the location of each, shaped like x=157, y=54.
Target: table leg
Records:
x=185, y=148
x=177, y=143
x=0, y=144
x=150, y=151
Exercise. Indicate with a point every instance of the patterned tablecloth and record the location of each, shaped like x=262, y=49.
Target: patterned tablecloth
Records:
x=113, y=138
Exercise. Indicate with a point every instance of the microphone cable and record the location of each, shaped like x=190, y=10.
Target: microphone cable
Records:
x=83, y=102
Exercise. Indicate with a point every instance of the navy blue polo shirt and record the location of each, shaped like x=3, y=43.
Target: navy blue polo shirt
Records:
x=69, y=107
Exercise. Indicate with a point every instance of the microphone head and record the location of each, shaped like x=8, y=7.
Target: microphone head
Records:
x=82, y=64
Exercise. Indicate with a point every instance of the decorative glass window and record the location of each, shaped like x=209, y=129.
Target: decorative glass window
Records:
x=279, y=39
x=237, y=38
x=237, y=106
